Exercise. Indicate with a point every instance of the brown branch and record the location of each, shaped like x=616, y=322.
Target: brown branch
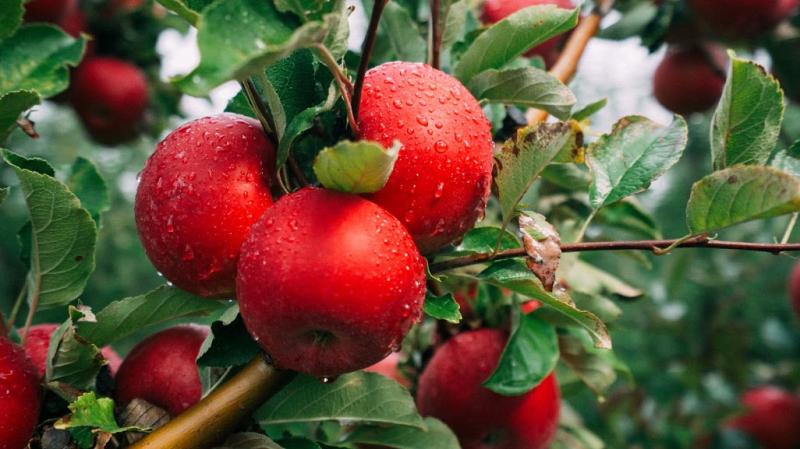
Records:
x=646, y=245
x=221, y=412
x=366, y=51
x=436, y=34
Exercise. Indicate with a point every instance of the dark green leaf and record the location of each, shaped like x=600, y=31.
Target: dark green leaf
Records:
x=96, y=413
x=484, y=240
x=12, y=105
x=3, y=194
x=402, y=34
x=10, y=17
x=442, y=307
x=86, y=183
x=748, y=119
x=435, y=436
x=356, y=167
x=526, y=86
x=302, y=123
x=229, y=343
x=72, y=362
x=739, y=194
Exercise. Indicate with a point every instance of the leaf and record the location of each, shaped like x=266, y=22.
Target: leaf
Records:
x=632, y=23
x=302, y=123
x=72, y=361
x=511, y=37
x=523, y=157
x=629, y=215
x=484, y=240
x=63, y=236
x=442, y=307
x=636, y=152
x=542, y=245
x=13, y=104
x=338, y=36
x=748, y=119
x=402, y=34
x=525, y=86
x=229, y=343
x=739, y=194
x=356, y=167
x=589, y=110
x=127, y=316
x=358, y=397
x=96, y=413
x=36, y=58
x=587, y=278
x=597, y=368
x=249, y=440
x=263, y=36
x=435, y=436
x=515, y=275
x=454, y=19
x=11, y=12
x=531, y=353
x=3, y=194
x=86, y=183
x=788, y=160
x=184, y=9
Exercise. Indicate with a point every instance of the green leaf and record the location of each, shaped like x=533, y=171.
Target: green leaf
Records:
x=249, y=440
x=339, y=34
x=71, y=360
x=597, y=368
x=515, y=275
x=356, y=167
x=402, y=34
x=636, y=152
x=442, y=307
x=587, y=278
x=524, y=156
x=511, y=37
x=185, y=9
x=357, y=397
x=36, y=58
x=748, y=119
x=86, y=183
x=531, y=353
x=96, y=413
x=63, y=236
x=229, y=343
x=788, y=160
x=629, y=215
x=435, y=436
x=739, y=194
x=263, y=36
x=11, y=12
x=3, y=194
x=589, y=110
x=454, y=19
x=302, y=123
x=13, y=104
x=484, y=240
x=130, y=315
x=632, y=23
x=526, y=86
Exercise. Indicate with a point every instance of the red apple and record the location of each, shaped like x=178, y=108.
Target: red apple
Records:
x=329, y=282
x=450, y=389
x=496, y=10
x=742, y=19
x=772, y=418
x=200, y=192
x=110, y=96
x=162, y=370
x=37, y=343
x=74, y=23
x=48, y=10
x=442, y=178
x=388, y=367
x=794, y=289
x=20, y=396
x=689, y=80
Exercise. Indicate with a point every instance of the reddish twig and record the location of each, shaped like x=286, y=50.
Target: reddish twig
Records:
x=436, y=34
x=366, y=51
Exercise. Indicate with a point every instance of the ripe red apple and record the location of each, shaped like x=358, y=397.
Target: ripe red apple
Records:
x=37, y=342
x=329, y=282
x=74, y=23
x=742, y=19
x=442, y=178
x=110, y=96
x=388, y=367
x=48, y=10
x=689, y=80
x=772, y=418
x=20, y=396
x=162, y=370
x=496, y=10
x=794, y=289
x=450, y=389
x=199, y=194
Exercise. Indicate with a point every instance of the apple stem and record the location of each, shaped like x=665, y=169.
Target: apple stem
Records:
x=221, y=412
x=344, y=85
x=366, y=51
x=436, y=35
x=656, y=246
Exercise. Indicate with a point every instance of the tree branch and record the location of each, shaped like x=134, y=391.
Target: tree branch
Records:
x=221, y=412
x=645, y=245
x=366, y=51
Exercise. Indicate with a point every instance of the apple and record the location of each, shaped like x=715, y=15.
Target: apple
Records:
x=443, y=175
x=450, y=389
x=200, y=192
x=162, y=370
x=48, y=10
x=772, y=418
x=389, y=367
x=742, y=19
x=329, y=282
x=496, y=10
x=74, y=23
x=689, y=79
x=110, y=97
x=37, y=343
x=20, y=398
x=794, y=289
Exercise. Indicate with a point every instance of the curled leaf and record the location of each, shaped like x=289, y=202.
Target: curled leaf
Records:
x=543, y=246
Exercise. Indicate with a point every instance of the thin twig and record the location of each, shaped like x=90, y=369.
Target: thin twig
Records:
x=436, y=35
x=345, y=88
x=12, y=318
x=259, y=108
x=645, y=245
x=366, y=51
x=790, y=228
